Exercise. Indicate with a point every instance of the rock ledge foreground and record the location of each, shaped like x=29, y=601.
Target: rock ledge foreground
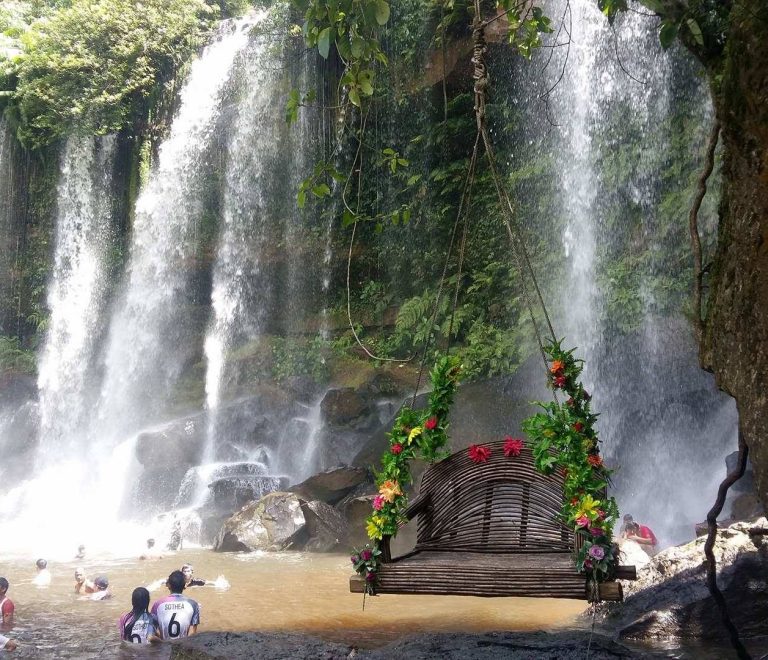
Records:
x=443, y=646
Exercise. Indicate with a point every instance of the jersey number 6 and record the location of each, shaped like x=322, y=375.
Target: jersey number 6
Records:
x=174, y=627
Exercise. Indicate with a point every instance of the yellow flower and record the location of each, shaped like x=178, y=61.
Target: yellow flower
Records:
x=415, y=431
x=389, y=490
x=374, y=527
x=587, y=507
x=549, y=433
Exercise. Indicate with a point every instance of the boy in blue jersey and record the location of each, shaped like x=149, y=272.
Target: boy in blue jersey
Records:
x=177, y=615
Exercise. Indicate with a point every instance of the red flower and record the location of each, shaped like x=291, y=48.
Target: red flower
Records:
x=512, y=446
x=559, y=381
x=594, y=460
x=564, y=472
x=431, y=423
x=600, y=514
x=570, y=402
x=478, y=453
x=397, y=448
x=578, y=427
x=574, y=501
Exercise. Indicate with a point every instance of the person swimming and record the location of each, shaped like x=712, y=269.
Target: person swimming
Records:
x=102, y=591
x=43, y=577
x=189, y=581
x=139, y=626
x=82, y=584
x=151, y=552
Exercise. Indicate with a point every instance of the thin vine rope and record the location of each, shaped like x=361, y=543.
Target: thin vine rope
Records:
x=463, y=205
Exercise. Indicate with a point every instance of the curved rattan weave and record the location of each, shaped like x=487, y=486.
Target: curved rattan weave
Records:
x=501, y=505
x=488, y=529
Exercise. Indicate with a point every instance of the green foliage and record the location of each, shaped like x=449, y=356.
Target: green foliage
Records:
x=14, y=358
x=564, y=438
x=93, y=64
x=415, y=434
x=294, y=357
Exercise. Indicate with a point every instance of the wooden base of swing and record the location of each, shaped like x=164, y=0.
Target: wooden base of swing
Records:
x=535, y=576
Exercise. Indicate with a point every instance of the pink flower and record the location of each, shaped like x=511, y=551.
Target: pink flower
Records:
x=396, y=448
x=512, y=446
x=600, y=514
x=596, y=552
x=582, y=521
x=587, y=563
x=366, y=555
x=378, y=502
x=354, y=559
x=478, y=453
x=596, y=531
x=371, y=577
x=431, y=423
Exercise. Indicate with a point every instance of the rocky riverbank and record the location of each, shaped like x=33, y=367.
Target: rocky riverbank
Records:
x=445, y=646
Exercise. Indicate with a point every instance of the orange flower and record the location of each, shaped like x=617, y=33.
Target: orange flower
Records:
x=389, y=490
x=594, y=460
x=557, y=366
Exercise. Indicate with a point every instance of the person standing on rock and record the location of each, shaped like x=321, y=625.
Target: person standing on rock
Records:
x=177, y=615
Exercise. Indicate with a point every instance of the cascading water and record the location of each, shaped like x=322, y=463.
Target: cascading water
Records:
x=666, y=433
x=66, y=464
x=91, y=466
x=76, y=296
x=150, y=338
x=238, y=294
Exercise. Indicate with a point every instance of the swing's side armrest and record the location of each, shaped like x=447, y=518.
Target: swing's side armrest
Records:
x=421, y=503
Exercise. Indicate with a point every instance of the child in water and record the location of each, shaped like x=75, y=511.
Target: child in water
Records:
x=139, y=626
x=43, y=577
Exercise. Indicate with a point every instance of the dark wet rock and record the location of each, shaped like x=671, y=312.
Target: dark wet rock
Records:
x=177, y=444
x=275, y=522
x=331, y=485
x=303, y=388
x=326, y=527
x=439, y=646
x=355, y=511
x=747, y=482
x=21, y=433
x=163, y=485
x=380, y=385
x=670, y=597
x=342, y=406
x=16, y=389
x=746, y=506
x=233, y=492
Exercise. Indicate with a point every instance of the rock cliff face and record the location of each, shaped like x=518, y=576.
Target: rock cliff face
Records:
x=735, y=342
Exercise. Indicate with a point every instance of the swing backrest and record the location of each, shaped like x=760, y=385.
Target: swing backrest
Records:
x=503, y=505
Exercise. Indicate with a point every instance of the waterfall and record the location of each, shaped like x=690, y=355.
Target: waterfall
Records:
x=239, y=293
x=662, y=419
x=76, y=295
x=151, y=334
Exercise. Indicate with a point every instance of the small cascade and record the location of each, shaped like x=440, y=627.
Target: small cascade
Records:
x=151, y=331
x=76, y=295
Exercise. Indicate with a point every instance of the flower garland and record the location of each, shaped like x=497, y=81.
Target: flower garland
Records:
x=415, y=434
x=569, y=429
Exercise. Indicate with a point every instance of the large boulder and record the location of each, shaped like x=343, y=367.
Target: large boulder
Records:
x=326, y=527
x=670, y=597
x=342, y=406
x=332, y=485
x=275, y=522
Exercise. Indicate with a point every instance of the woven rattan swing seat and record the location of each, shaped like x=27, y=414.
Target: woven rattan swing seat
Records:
x=489, y=529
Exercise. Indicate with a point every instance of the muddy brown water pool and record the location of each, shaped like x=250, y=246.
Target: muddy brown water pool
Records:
x=268, y=592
